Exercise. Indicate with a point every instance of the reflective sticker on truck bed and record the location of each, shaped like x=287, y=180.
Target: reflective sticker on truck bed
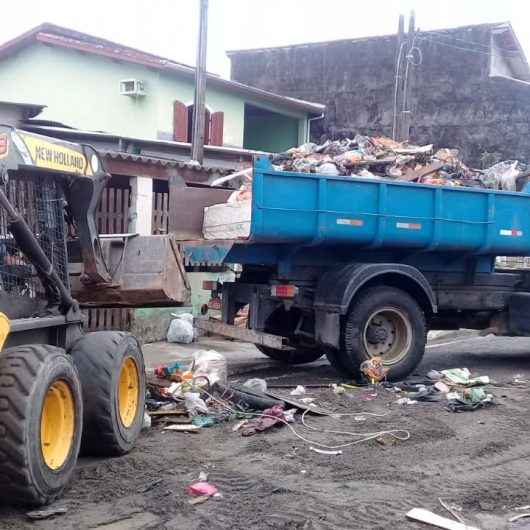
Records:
x=409, y=226
x=350, y=222
x=510, y=232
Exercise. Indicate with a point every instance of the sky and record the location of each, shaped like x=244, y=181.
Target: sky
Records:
x=169, y=27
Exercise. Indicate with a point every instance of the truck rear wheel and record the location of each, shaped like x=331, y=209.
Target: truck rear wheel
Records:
x=40, y=423
x=295, y=356
x=388, y=323
x=112, y=373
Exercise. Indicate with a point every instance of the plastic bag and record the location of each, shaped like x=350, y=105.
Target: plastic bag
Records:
x=210, y=364
x=501, y=176
x=194, y=404
x=258, y=385
x=181, y=331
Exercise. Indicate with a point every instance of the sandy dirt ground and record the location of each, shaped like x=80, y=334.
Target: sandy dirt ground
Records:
x=479, y=460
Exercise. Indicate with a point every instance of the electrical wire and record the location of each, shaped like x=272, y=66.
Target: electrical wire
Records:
x=470, y=42
x=395, y=433
x=447, y=45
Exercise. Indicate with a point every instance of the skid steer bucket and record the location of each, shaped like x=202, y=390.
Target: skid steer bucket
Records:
x=144, y=271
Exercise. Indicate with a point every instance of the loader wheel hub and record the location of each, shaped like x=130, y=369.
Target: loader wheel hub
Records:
x=128, y=392
x=57, y=424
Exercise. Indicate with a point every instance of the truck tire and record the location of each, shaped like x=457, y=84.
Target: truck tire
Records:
x=112, y=373
x=41, y=414
x=295, y=356
x=386, y=322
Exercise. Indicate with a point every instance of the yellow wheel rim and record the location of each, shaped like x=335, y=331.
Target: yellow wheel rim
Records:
x=57, y=424
x=128, y=391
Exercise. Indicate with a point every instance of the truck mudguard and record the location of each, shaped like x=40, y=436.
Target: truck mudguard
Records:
x=337, y=288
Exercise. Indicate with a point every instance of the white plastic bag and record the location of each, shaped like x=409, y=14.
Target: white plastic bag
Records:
x=210, y=364
x=180, y=330
x=195, y=404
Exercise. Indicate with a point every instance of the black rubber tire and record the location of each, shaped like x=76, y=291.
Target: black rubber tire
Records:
x=298, y=356
x=353, y=352
x=26, y=373
x=99, y=357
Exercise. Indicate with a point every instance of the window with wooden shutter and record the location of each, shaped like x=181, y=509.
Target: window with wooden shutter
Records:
x=189, y=134
x=180, y=122
x=216, y=128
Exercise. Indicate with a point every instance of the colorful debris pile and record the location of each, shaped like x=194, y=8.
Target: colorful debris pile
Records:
x=455, y=387
x=365, y=156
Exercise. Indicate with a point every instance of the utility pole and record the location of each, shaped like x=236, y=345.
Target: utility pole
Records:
x=406, y=117
x=197, y=139
x=398, y=78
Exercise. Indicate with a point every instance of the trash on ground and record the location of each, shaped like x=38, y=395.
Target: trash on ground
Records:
x=146, y=425
x=324, y=451
x=238, y=425
x=468, y=399
x=195, y=404
x=203, y=421
x=425, y=516
x=172, y=371
x=453, y=509
x=298, y=391
x=462, y=376
x=289, y=415
x=405, y=401
x=246, y=398
x=46, y=513
x=374, y=369
x=180, y=330
x=202, y=488
x=199, y=500
x=256, y=384
x=268, y=419
x=210, y=365
x=183, y=428
x=338, y=389
x=369, y=396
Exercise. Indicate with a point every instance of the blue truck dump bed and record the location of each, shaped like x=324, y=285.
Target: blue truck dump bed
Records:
x=371, y=213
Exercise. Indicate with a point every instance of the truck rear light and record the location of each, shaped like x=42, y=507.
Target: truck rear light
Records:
x=209, y=285
x=284, y=291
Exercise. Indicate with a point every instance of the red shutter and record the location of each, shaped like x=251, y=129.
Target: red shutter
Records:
x=206, y=127
x=216, y=128
x=180, y=122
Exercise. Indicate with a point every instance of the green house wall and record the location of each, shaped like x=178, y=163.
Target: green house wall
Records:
x=82, y=90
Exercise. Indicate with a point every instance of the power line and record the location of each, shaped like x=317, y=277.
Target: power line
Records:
x=447, y=45
x=486, y=46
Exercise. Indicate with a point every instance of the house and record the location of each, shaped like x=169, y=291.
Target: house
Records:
x=469, y=87
x=95, y=84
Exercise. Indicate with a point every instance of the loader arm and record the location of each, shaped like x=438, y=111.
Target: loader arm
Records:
x=83, y=196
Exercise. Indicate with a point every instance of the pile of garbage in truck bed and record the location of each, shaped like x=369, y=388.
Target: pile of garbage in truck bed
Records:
x=365, y=156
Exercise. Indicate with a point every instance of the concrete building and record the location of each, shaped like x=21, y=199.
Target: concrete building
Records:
x=470, y=90
x=95, y=84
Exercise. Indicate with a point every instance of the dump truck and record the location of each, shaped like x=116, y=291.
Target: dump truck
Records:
x=61, y=390
x=356, y=267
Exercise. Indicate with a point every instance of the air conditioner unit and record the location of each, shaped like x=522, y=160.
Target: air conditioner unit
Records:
x=132, y=87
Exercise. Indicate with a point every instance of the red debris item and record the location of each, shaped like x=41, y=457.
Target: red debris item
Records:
x=269, y=418
x=202, y=488
x=374, y=369
x=172, y=372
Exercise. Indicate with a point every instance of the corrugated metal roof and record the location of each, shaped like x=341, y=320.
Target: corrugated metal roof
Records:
x=162, y=162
